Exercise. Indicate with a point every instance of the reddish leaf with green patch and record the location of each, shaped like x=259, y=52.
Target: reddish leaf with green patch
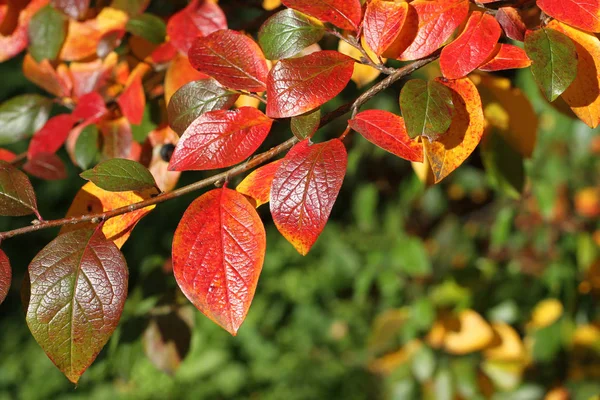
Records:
x=382, y=24
x=507, y=57
x=199, y=18
x=345, y=14
x=257, y=185
x=218, y=253
x=16, y=193
x=582, y=14
x=305, y=188
x=232, y=58
x=220, y=138
x=133, y=101
x=5, y=276
x=78, y=290
x=473, y=47
x=299, y=85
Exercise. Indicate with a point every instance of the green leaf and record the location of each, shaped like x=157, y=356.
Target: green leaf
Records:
x=194, y=99
x=120, y=175
x=504, y=166
x=287, y=33
x=423, y=364
x=21, y=116
x=16, y=193
x=86, y=147
x=78, y=290
x=554, y=57
x=304, y=126
x=427, y=108
x=148, y=26
x=46, y=34
x=411, y=256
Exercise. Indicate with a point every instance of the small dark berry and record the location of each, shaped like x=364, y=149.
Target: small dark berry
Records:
x=166, y=152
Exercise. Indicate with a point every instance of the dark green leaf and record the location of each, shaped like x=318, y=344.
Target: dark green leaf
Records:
x=304, y=126
x=287, y=33
x=16, y=193
x=504, y=165
x=196, y=98
x=148, y=26
x=427, y=108
x=120, y=175
x=46, y=34
x=554, y=57
x=21, y=116
x=86, y=147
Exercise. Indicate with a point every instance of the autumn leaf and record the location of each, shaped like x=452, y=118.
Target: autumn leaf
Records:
x=120, y=175
x=218, y=252
x=232, y=58
x=473, y=334
x=47, y=166
x=17, y=40
x=117, y=137
x=507, y=344
x=132, y=101
x=299, y=85
x=180, y=72
x=512, y=23
x=73, y=8
x=345, y=14
x=45, y=76
x=93, y=200
x=257, y=185
x=472, y=47
x=305, y=188
x=304, y=126
x=507, y=57
x=77, y=293
x=90, y=107
x=52, y=135
x=147, y=26
x=581, y=14
x=5, y=276
x=219, y=139
x=464, y=134
x=554, y=59
x=16, y=193
x=387, y=131
x=198, y=18
x=383, y=23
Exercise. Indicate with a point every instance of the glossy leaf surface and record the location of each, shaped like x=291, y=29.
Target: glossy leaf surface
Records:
x=218, y=253
x=582, y=14
x=120, y=175
x=512, y=23
x=383, y=23
x=219, y=139
x=299, y=85
x=78, y=290
x=199, y=18
x=507, y=57
x=16, y=193
x=387, y=131
x=232, y=58
x=5, y=276
x=21, y=116
x=305, y=188
x=345, y=14
x=257, y=185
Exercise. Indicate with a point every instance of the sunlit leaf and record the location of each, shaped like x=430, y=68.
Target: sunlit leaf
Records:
x=304, y=126
x=15, y=42
x=345, y=14
x=73, y=8
x=507, y=57
x=362, y=74
x=383, y=23
x=132, y=101
x=156, y=154
x=581, y=14
x=117, y=137
x=16, y=193
x=512, y=23
x=257, y=185
x=546, y=312
x=45, y=76
x=199, y=18
x=52, y=135
x=179, y=73
x=507, y=344
x=120, y=175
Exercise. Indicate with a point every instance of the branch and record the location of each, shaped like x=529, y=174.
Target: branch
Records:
x=237, y=170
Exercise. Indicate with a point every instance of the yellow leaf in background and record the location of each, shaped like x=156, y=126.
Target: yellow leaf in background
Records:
x=247, y=101
x=587, y=336
x=271, y=4
x=545, y=313
x=472, y=334
x=509, y=111
x=506, y=376
x=363, y=74
x=506, y=345
x=385, y=328
x=583, y=95
x=91, y=200
x=423, y=171
x=558, y=394
x=386, y=364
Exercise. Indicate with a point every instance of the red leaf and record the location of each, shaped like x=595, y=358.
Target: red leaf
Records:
x=298, y=85
x=47, y=166
x=507, y=57
x=473, y=47
x=6, y=155
x=218, y=253
x=199, y=18
x=90, y=107
x=583, y=14
x=387, y=131
x=164, y=53
x=436, y=21
x=220, y=138
x=52, y=135
x=511, y=22
x=133, y=101
x=232, y=58
x=305, y=188
x=5, y=276
x=257, y=185
x=383, y=23
x=345, y=14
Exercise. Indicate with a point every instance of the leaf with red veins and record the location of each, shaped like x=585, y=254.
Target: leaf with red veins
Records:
x=345, y=14
x=305, y=188
x=298, y=85
x=512, y=23
x=78, y=290
x=257, y=185
x=473, y=47
x=199, y=18
x=218, y=253
x=383, y=23
x=5, y=276
x=90, y=107
x=220, y=138
x=387, y=131
x=52, y=135
x=436, y=22
x=132, y=101
x=582, y=14
x=507, y=57
x=232, y=58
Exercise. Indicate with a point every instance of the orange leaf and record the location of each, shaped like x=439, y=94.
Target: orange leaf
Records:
x=91, y=76
x=583, y=14
x=218, y=253
x=257, y=185
x=91, y=200
x=507, y=57
x=46, y=77
x=132, y=101
x=464, y=134
x=383, y=23
x=179, y=73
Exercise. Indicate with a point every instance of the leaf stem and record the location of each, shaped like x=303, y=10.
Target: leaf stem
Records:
x=365, y=58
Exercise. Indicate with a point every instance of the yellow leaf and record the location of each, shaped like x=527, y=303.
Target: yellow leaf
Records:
x=545, y=313
x=587, y=336
x=388, y=363
x=271, y=4
x=473, y=334
x=386, y=327
x=506, y=345
x=179, y=73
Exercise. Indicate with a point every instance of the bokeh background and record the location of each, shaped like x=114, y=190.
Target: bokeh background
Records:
x=484, y=286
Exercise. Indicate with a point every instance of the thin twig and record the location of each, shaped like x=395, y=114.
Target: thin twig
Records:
x=364, y=59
